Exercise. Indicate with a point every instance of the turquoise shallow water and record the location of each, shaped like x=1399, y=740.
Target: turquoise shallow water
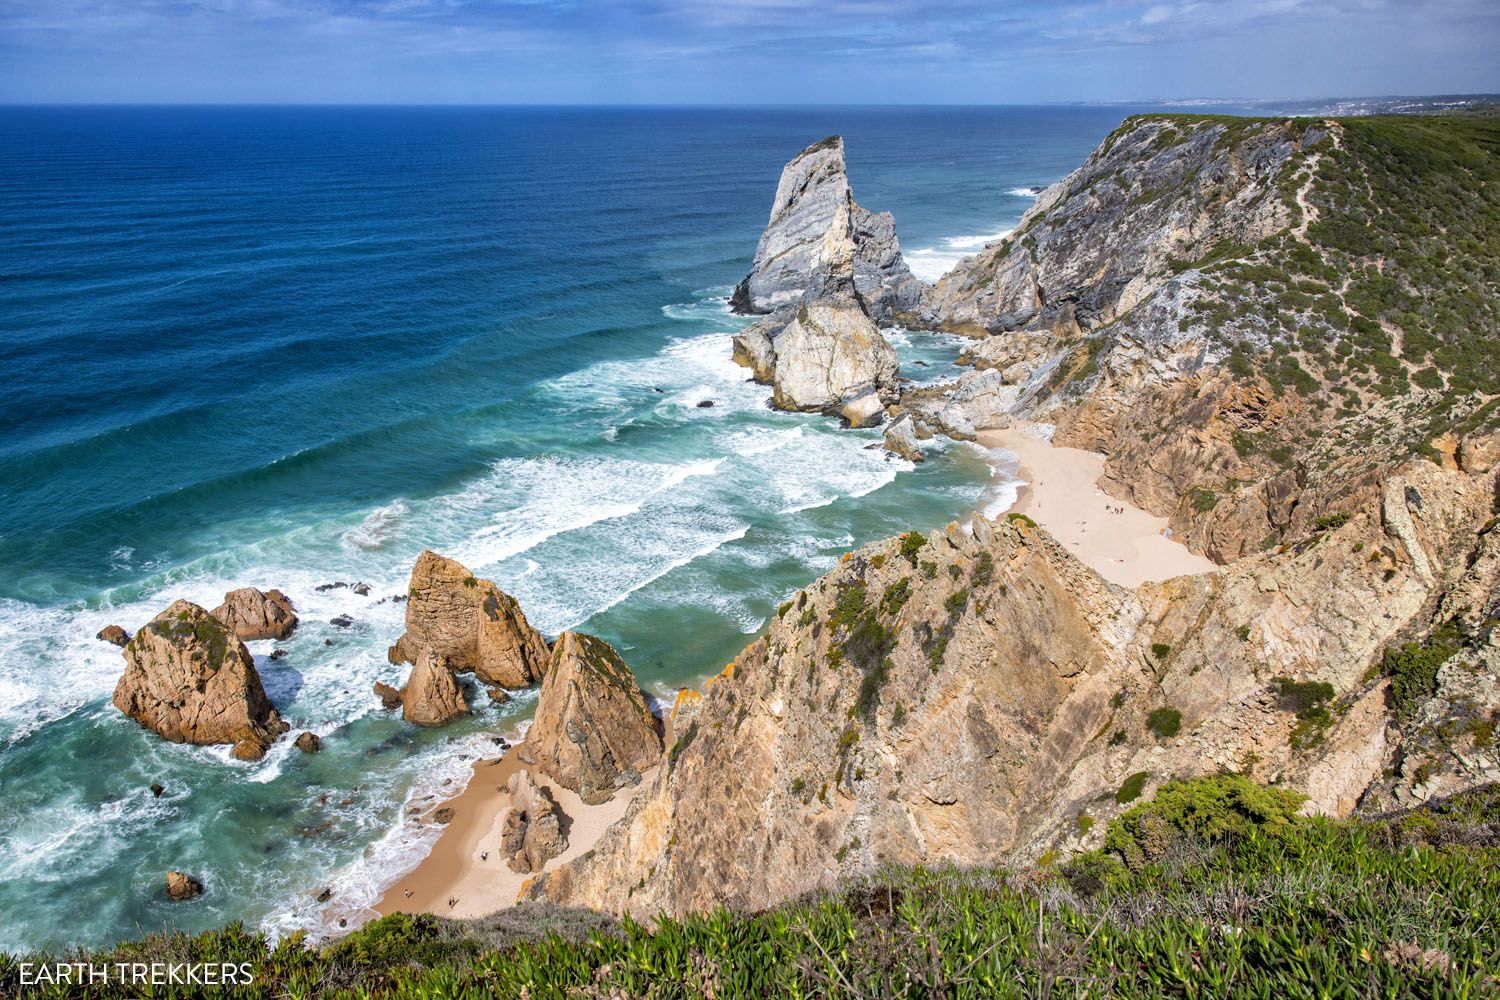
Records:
x=288, y=348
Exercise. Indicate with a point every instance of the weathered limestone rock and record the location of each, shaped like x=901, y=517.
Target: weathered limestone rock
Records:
x=470, y=624
x=432, y=695
x=253, y=614
x=181, y=887
x=814, y=224
x=1479, y=453
x=901, y=438
x=188, y=679
x=532, y=833
x=113, y=634
x=979, y=400
x=754, y=348
x=593, y=732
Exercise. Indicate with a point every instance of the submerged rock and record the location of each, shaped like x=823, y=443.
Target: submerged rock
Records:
x=254, y=614
x=190, y=680
x=432, y=695
x=181, y=887
x=593, y=732
x=532, y=834
x=471, y=624
x=113, y=634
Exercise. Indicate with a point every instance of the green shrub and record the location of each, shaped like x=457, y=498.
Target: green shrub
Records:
x=1414, y=667
x=1160, y=650
x=911, y=543
x=1130, y=789
x=1016, y=517
x=1165, y=722
x=1209, y=810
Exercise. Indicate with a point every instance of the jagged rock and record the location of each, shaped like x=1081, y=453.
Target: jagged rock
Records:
x=498, y=695
x=389, y=697
x=901, y=439
x=114, y=634
x=815, y=224
x=254, y=614
x=309, y=743
x=1479, y=454
x=341, y=621
x=593, y=732
x=156, y=790
x=432, y=695
x=532, y=832
x=471, y=624
x=1006, y=673
x=362, y=589
x=828, y=354
x=279, y=654
x=182, y=887
x=444, y=816
x=979, y=400
x=863, y=411
x=754, y=350
x=190, y=680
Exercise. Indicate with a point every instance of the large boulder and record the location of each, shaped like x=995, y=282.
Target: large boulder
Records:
x=181, y=887
x=113, y=634
x=901, y=439
x=830, y=354
x=532, y=833
x=814, y=222
x=471, y=624
x=190, y=680
x=593, y=731
x=254, y=614
x=432, y=695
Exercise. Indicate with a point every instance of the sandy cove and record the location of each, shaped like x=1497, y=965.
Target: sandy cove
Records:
x=466, y=865
x=1062, y=495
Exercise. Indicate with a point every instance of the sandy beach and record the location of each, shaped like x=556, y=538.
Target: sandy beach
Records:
x=1062, y=495
x=466, y=875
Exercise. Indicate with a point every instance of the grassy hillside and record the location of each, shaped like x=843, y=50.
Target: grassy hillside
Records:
x=1216, y=887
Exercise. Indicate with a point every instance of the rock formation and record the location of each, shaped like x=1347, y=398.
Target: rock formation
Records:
x=968, y=697
x=181, y=887
x=532, y=833
x=432, y=695
x=901, y=438
x=816, y=233
x=309, y=743
x=253, y=614
x=113, y=634
x=471, y=624
x=389, y=697
x=593, y=732
x=188, y=679
x=831, y=358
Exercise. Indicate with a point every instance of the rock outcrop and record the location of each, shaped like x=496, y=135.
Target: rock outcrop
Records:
x=831, y=357
x=390, y=698
x=594, y=733
x=113, y=634
x=182, y=887
x=190, y=680
x=471, y=624
x=817, y=234
x=970, y=697
x=901, y=438
x=432, y=695
x=532, y=833
x=309, y=742
x=254, y=614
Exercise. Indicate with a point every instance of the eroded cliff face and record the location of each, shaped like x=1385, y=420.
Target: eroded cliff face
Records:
x=983, y=697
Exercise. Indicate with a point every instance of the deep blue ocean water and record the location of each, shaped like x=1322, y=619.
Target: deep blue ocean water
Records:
x=290, y=347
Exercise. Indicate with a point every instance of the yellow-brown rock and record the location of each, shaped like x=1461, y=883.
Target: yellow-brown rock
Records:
x=432, y=695
x=190, y=680
x=593, y=732
x=471, y=624
x=253, y=614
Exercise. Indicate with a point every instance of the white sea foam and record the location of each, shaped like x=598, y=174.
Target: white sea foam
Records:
x=377, y=527
x=1023, y=193
x=931, y=263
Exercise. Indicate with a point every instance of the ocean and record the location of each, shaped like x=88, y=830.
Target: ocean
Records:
x=290, y=348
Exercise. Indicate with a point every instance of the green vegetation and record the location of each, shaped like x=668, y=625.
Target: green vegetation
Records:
x=911, y=543
x=1131, y=788
x=1016, y=517
x=1165, y=722
x=1160, y=650
x=1215, y=888
x=1309, y=700
x=1413, y=668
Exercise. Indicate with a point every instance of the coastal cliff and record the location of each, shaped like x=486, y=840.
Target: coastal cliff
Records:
x=1192, y=303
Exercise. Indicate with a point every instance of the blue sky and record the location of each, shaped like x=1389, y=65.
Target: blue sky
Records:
x=740, y=51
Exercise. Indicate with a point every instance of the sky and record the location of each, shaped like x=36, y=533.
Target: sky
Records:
x=740, y=51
